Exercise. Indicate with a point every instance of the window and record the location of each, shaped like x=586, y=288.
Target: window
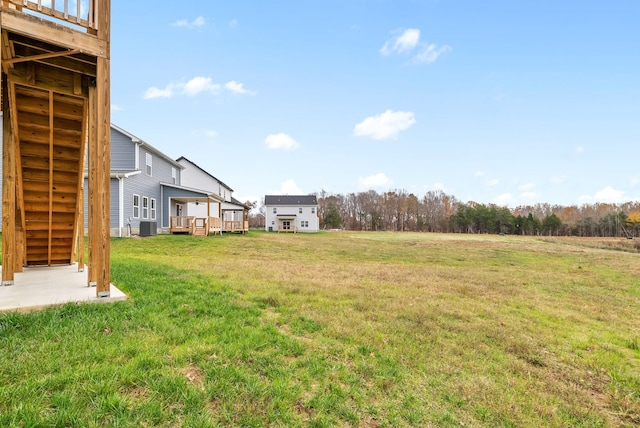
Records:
x=174, y=175
x=300, y=210
x=153, y=209
x=275, y=210
x=145, y=207
x=149, y=161
x=136, y=206
x=313, y=210
x=304, y=223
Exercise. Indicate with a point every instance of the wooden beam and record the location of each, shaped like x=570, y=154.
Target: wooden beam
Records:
x=42, y=56
x=78, y=239
x=100, y=164
x=50, y=176
x=8, y=191
x=32, y=26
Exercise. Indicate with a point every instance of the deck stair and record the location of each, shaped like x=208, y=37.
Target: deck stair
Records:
x=51, y=154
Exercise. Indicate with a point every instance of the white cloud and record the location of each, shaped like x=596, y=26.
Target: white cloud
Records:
x=200, y=84
x=529, y=196
x=192, y=88
x=289, y=187
x=233, y=23
x=195, y=86
x=281, y=141
x=579, y=150
x=198, y=22
x=385, y=125
x=372, y=181
x=608, y=194
x=154, y=92
x=429, y=53
x=237, y=88
x=404, y=42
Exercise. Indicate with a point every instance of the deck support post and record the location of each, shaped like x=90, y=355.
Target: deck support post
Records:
x=100, y=163
x=8, y=191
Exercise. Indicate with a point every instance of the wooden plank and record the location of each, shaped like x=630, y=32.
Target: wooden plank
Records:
x=77, y=250
x=100, y=161
x=37, y=28
x=8, y=190
x=41, y=186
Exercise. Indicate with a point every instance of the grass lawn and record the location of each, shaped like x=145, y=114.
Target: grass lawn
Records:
x=337, y=329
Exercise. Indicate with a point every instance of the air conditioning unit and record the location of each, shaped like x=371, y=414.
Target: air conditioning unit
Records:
x=148, y=228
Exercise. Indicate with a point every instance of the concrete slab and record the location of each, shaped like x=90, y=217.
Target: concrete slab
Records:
x=43, y=286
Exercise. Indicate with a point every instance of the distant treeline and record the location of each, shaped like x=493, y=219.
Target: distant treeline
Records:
x=436, y=211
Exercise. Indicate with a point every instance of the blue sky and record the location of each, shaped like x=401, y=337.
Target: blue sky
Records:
x=495, y=101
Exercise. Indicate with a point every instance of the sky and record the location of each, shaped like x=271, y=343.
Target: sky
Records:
x=506, y=102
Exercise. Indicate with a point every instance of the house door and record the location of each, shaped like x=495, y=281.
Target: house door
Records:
x=286, y=225
x=178, y=210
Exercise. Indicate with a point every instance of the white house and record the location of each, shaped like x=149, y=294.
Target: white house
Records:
x=291, y=213
x=226, y=214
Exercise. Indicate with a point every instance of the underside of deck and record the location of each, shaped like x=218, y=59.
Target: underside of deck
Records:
x=55, y=104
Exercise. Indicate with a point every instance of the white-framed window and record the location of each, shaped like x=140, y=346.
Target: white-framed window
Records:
x=300, y=210
x=304, y=223
x=275, y=210
x=136, y=206
x=153, y=209
x=313, y=210
x=174, y=175
x=149, y=163
x=145, y=207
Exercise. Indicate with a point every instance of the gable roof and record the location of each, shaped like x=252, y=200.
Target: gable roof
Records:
x=290, y=200
x=147, y=146
x=194, y=164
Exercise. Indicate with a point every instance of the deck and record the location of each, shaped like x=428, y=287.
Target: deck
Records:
x=56, y=123
x=205, y=226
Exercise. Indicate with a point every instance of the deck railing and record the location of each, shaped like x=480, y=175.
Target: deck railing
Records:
x=83, y=14
x=236, y=226
x=181, y=224
x=189, y=224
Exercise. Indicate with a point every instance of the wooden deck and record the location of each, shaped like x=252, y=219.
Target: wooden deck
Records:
x=205, y=226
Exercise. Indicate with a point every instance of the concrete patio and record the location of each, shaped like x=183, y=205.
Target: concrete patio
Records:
x=40, y=287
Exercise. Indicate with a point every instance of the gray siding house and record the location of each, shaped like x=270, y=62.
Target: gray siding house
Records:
x=145, y=186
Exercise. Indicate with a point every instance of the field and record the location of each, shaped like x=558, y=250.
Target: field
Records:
x=338, y=329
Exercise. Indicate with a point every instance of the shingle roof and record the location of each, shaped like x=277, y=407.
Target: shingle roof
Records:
x=290, y=200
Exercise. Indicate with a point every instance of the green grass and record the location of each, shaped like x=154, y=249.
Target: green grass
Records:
x=337, y=329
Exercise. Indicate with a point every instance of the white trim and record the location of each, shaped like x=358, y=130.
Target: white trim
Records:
x=133, y=206
x=120, y=205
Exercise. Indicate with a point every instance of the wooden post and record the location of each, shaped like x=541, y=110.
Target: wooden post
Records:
x=100, y=162
x=8, y=190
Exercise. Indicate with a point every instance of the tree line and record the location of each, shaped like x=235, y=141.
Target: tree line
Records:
x=398, y=210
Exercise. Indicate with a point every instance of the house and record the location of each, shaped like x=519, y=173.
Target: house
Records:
x=146, y=189
x=291, y=213
x=148, y=196
x=230, y=215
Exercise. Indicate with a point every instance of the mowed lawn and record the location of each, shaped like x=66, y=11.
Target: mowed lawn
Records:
x=342, y=329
